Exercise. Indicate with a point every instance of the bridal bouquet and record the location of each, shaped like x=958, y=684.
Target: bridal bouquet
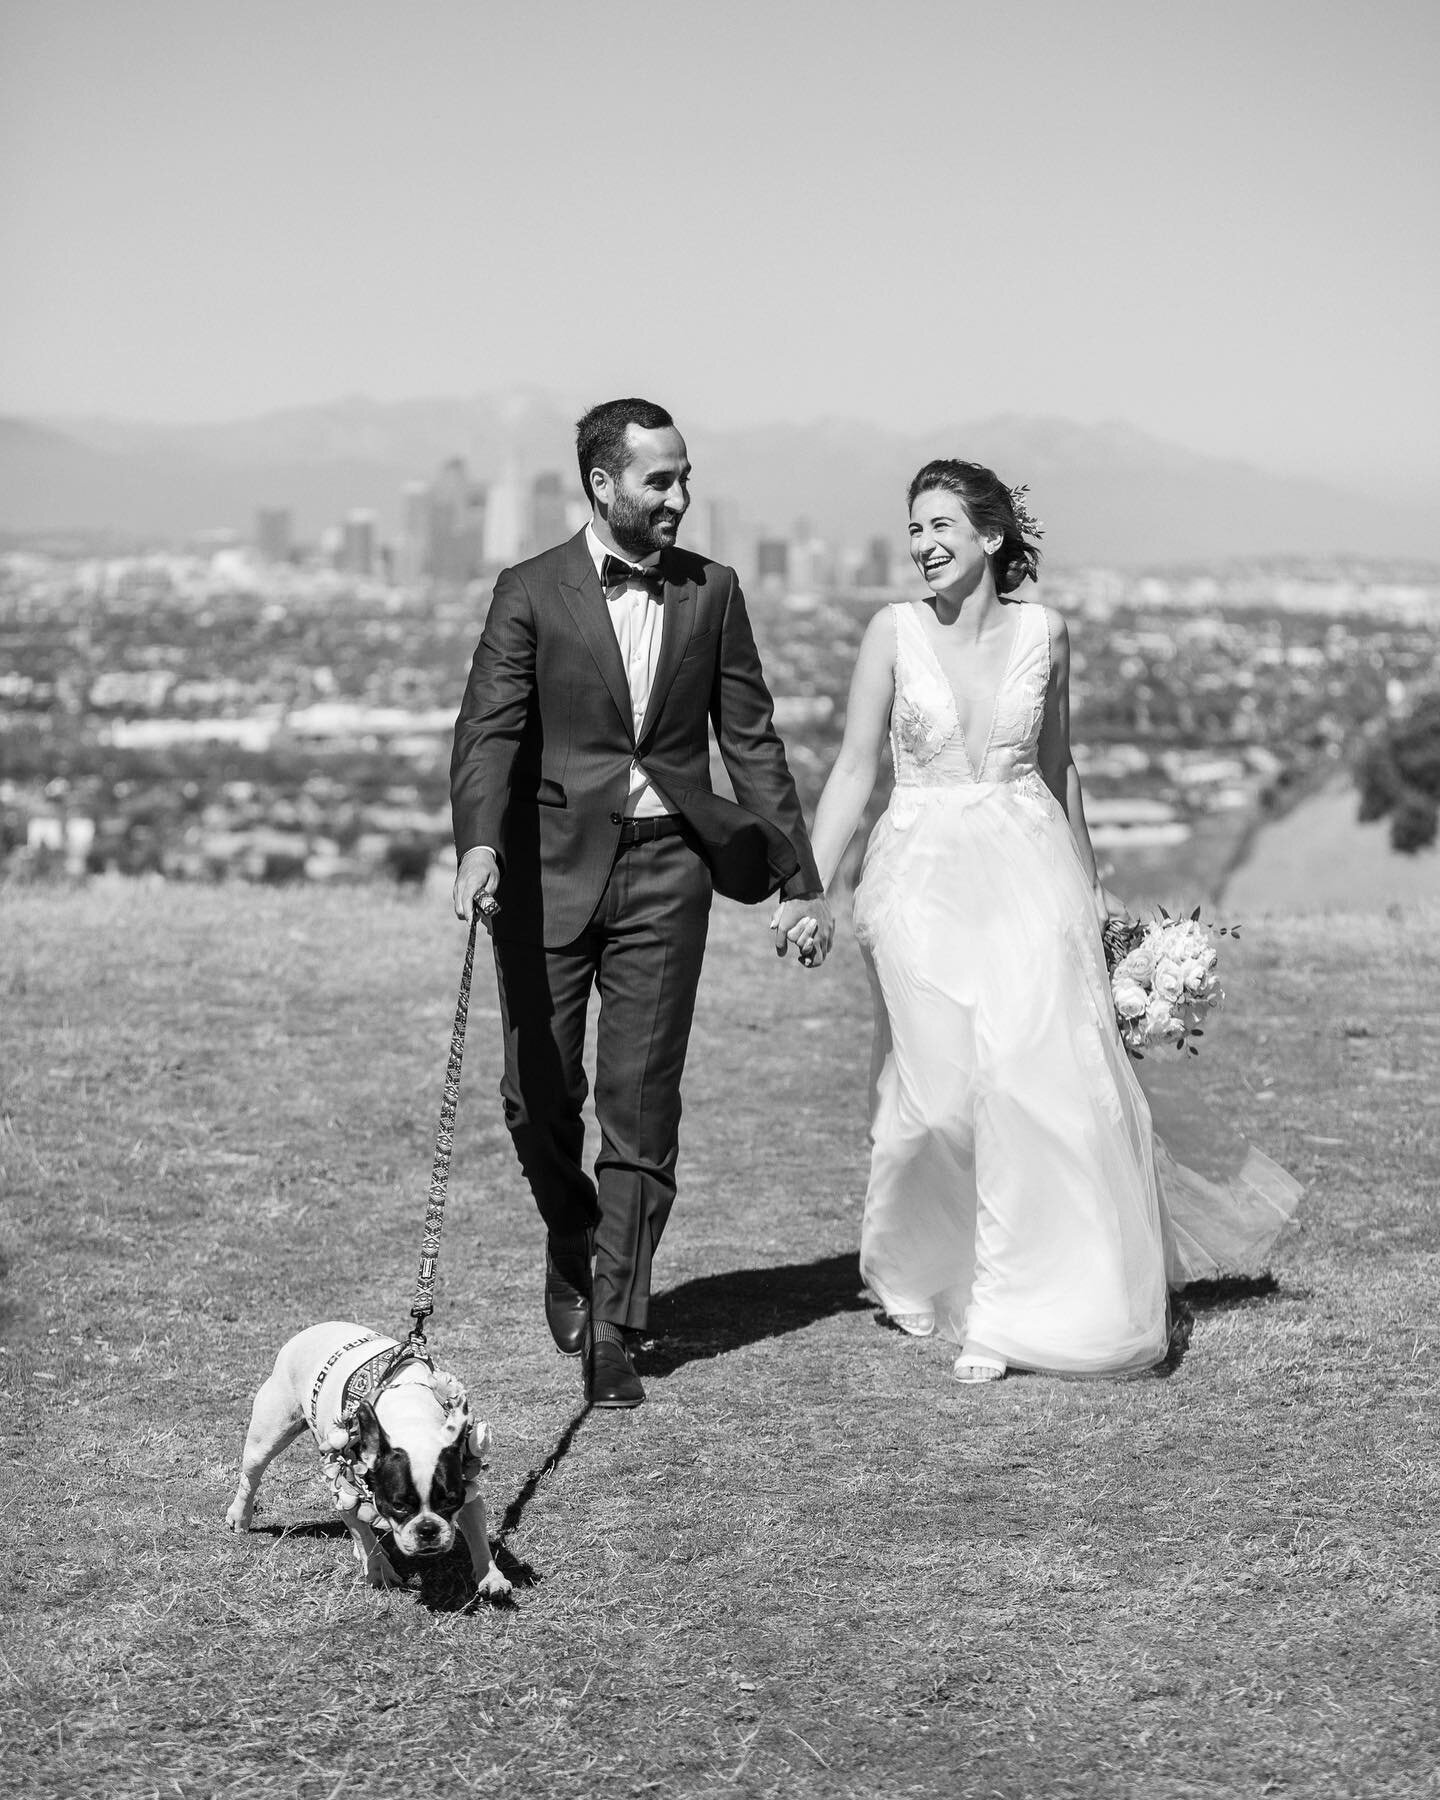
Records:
x=1162, y=977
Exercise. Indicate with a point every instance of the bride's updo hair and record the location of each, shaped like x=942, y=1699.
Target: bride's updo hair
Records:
x=991, y=510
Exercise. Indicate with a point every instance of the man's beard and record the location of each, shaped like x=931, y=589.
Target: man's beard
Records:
x=634, y=528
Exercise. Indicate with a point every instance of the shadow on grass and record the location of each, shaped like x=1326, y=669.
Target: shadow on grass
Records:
x=1224, y=1294
x=1227, y=1292
x=312, y=1528
x=446, y=1583
x=718, y=1313
x=515, y=1511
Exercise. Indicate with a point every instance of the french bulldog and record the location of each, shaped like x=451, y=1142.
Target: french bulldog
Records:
x=402, y=1451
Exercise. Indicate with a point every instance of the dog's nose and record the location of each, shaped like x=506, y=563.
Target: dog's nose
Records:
x=428, y=1531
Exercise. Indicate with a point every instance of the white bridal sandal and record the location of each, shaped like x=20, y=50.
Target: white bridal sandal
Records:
x=977, y=1365
x=916, y=1324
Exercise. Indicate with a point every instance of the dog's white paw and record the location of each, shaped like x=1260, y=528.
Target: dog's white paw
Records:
x=375, y=1565
x=492, y=1584
x=380, y=1572
x=239, y=1516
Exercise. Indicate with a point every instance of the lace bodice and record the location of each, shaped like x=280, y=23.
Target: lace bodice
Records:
x=926, y=741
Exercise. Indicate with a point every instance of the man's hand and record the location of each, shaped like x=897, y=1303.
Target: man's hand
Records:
x=478, y=875
x=808, y=924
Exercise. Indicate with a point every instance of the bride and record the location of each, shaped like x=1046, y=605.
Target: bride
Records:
x=1019, y=1202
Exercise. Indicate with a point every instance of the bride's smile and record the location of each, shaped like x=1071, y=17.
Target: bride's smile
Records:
x=945, y=546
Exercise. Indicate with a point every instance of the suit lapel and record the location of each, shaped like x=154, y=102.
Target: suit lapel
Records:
x=675, y=630
x=585, y=599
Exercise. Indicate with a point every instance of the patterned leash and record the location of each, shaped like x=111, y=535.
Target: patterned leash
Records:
x=486, y=907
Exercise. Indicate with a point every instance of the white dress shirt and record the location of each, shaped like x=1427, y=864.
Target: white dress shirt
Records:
x=637, y=614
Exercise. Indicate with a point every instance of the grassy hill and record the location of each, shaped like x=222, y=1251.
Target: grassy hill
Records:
x=1320, y=858
x=811, y=1564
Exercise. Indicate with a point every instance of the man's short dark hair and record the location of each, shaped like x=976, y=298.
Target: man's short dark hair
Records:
x=600, y=436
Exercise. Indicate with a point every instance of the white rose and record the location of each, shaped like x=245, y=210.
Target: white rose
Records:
x=1138, y=966
x=1160, y=1021
x=1130, y=999
x=1168, y=983
x=1194, y=973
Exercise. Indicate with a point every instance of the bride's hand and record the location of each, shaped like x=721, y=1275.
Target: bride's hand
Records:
x=1109, y=906
x=807, y=924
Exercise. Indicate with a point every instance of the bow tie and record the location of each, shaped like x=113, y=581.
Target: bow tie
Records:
x=615, y=572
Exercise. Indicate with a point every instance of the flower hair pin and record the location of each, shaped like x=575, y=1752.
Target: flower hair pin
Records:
x=1030, y=526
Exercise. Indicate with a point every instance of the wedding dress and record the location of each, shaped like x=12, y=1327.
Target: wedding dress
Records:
x=1017, y=1188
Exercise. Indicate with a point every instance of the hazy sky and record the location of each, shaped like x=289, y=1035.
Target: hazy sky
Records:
x=1216, y=221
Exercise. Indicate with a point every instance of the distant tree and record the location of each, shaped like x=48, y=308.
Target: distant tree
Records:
x=1413, y=824
x=408, y=860
x=1399, y=777
x=278, y=868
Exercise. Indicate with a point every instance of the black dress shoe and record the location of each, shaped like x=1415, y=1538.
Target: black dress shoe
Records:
x=610, y=1378
x=567, y=1292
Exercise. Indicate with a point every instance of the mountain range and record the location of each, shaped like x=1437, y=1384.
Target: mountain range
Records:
x=1108, y=493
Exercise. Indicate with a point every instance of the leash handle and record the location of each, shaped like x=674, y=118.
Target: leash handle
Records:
x=424, y=1303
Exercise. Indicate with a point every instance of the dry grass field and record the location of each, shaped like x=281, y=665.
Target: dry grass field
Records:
x=811, y=1565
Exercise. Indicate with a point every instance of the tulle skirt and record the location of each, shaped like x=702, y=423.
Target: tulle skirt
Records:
x=1017, y=1186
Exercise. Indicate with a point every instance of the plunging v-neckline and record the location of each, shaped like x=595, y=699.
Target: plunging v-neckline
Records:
x=976, y=769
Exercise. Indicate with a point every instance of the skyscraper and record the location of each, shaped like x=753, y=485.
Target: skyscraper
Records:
x=458, y=510
x=810, y=567
x=504, y=523
x=413, y=552
x=549, y=522
x=772, y=565
x=875, y=571
x=274, y=533
x=357, y=543
x=712, y=529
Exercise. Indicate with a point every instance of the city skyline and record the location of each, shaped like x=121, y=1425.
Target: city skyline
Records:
x=1209, y=226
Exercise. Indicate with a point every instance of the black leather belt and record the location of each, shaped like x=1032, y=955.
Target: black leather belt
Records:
x=645, y=831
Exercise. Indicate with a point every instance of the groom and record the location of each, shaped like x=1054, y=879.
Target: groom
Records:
x=580, y=787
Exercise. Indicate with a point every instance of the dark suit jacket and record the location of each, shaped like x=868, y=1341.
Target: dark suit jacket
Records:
x=545, y=738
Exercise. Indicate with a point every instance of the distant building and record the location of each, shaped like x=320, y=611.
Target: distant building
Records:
x=458, y=512
x=357, y=543
x=275, y=534
x=549, y=522
x=772, y=560
x=772, y=565
x=504, y=522
x=711, y=529
x=412, y=557
x=811, y=567
x=875, y=570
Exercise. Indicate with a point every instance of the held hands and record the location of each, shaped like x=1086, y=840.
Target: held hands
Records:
x=476, y=881
x=807, y=924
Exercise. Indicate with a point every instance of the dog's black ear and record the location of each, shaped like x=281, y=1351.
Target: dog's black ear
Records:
x=370, y=1439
